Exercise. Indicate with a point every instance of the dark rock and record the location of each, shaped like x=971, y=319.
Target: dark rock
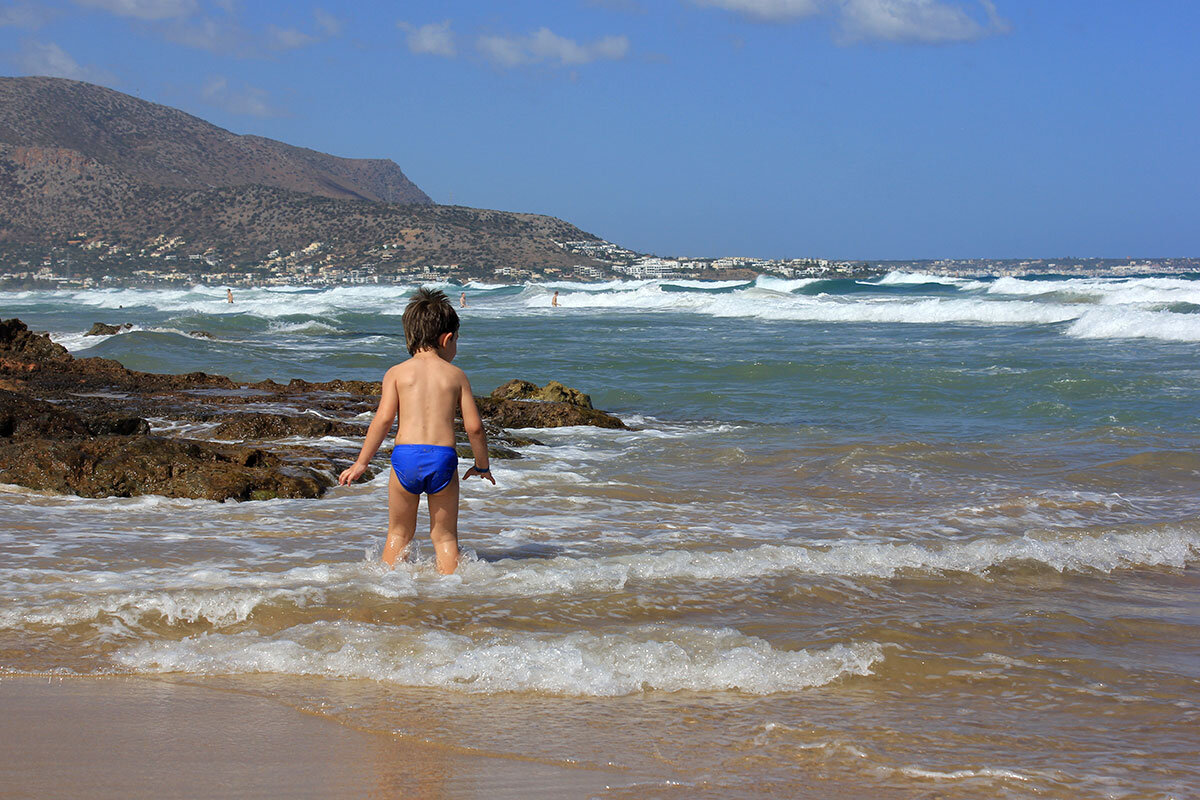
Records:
x=516, y=389
x=23, y=417
x=243, y=425
x=124, y=466
x=528, y=414
x=349, y=387
x=94, y=440
x=117, y=425
x=18, y=344
x=201, y=334
x=100, y=329
x=552, y=392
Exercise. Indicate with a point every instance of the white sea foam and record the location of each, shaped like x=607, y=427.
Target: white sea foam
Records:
x=658, y=657
x=1130, y=323
x=309, y=326
x=268, y=302
x=75, y=341
x=709, y=285
x=600, y=286
x=1005, y=301
x=1105, y=291
x=767, y=305
x=785, y=285
x=223, y=596
x=963, y=774
x=900, y=277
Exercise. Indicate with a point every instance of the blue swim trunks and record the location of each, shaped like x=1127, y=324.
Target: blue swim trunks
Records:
x=424, y=468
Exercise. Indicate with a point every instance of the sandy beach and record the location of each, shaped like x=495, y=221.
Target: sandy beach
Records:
x=122, y=737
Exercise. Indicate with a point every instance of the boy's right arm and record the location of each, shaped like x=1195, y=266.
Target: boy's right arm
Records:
x=385, y=415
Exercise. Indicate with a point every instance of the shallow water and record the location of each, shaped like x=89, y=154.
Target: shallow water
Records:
x=895, y=538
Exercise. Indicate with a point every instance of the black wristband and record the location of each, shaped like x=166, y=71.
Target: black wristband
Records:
x=480, y=469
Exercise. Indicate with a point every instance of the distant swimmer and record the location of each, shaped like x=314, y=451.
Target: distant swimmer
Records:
x=229, y=295
x=462, y=300
x=554, y=300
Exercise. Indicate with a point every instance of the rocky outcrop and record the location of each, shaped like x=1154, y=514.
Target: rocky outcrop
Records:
x=24, y=417
x=80, y=426
x=124, y=466
x=541, y=414
x=101, y=329
x=257, y=425
x=18, y=344
x=552, y=392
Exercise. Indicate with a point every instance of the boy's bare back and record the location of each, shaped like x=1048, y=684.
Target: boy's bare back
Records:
x=428, y=392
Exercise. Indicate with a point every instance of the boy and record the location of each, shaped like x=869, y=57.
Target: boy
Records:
x=422, y=395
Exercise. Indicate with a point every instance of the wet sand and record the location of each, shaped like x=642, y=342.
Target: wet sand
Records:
x=134, y=737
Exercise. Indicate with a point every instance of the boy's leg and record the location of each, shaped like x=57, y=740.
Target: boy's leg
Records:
x=443, y=526
x=402, y=520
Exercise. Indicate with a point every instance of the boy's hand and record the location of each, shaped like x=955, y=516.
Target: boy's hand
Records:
x=485, y=475
x=351, y=474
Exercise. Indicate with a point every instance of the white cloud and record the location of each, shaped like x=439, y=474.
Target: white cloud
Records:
x=221, y=37
x=921, y=21
x=47, y=58
x=435, y=39
x=331, y=25
x=245, y=100
x=287, y=38
x=143, y=9
x=624, y=6
x=769, y=10
x=910, y=21
x=543, y=45
x=22, y=15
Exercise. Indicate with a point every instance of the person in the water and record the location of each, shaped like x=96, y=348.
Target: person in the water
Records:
x=423, y=394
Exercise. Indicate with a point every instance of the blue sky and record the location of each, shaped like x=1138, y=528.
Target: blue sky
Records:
x=865, y=129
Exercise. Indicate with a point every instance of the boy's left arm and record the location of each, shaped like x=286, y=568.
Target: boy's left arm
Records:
x=473, y=425
x=385, y=415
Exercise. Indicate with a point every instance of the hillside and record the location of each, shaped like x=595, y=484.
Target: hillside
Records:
x=79, y=161
x=161, y=146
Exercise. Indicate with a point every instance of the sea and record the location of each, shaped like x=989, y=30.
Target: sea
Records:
x=910, y=536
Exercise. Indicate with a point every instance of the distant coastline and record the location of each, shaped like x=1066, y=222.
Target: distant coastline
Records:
x=92, y=262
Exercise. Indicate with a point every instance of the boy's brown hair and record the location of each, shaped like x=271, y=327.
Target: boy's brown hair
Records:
x=428, y=316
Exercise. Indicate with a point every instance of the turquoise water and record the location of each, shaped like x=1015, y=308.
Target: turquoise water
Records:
x=898, y=536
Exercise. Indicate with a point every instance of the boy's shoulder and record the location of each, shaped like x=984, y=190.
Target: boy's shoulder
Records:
x=417, y=366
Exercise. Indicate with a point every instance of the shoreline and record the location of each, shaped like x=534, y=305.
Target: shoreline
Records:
x=132, y=736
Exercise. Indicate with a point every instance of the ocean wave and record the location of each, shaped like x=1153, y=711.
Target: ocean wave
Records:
x=1105, y=291
x=75, y=341
x=1130, y=323
x=784, y=285
x=222, y=596
x=901, y=277
x=766, y=305
x=308, y=326
x=1005, y=301
x=491, y=660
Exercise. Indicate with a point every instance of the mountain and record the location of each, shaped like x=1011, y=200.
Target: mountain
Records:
x=82, y=161
x=161, y=146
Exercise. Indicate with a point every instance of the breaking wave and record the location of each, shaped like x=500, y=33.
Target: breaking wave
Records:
x=220, y=597
x=646, y=658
